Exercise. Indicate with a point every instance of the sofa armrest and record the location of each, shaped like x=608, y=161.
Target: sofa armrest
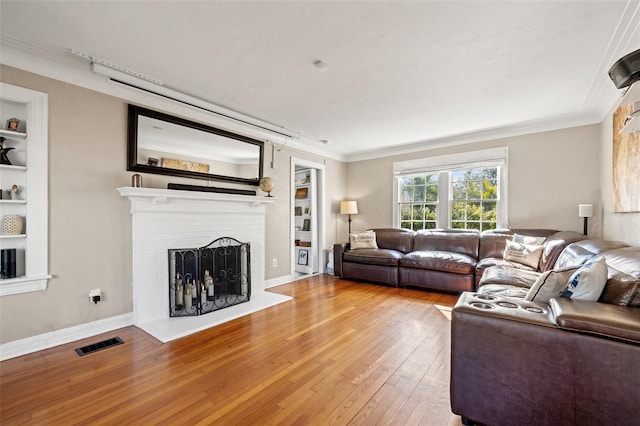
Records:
x=602, y=319
x=338, y=251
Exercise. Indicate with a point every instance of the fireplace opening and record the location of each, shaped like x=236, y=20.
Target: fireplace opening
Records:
x=209, y=278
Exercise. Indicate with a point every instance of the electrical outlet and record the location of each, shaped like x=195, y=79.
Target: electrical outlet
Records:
x=275, y=262
x=95, y=295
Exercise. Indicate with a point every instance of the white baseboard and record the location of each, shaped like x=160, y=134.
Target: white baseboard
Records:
x=66, y=335
x=285, y=279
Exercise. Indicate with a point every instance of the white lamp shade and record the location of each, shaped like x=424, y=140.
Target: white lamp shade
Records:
x=585, y=210
x=348, y=207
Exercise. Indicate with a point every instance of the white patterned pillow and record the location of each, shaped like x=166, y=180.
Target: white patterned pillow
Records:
x=549, y=284
x=587, y=282
x=363, y=240
x=527, y=254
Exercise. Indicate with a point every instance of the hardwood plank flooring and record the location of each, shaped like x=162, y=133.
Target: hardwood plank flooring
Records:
x=340, y=353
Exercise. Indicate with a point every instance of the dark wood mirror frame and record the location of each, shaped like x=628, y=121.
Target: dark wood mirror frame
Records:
x=132, y=149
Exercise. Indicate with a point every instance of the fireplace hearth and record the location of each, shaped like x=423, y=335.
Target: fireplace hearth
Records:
x=206, y=279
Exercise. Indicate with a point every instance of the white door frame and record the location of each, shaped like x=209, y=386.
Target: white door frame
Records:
x=320, y=175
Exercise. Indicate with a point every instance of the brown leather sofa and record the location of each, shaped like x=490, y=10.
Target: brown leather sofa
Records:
x=444, y=259
x=565, y=362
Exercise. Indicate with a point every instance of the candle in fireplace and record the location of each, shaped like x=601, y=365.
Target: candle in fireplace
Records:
x=203, y=295
x=179, y=297
x=208, y=282
x=187, y=298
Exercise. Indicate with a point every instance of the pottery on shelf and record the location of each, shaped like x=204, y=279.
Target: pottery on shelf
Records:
x=11, y=224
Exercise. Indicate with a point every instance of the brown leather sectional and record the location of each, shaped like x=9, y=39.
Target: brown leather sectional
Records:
x=445, y=259
x=565, y=362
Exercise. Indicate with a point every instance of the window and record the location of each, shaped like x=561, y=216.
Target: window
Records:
x=466, y=191
x=474, y=197
x=418, y=201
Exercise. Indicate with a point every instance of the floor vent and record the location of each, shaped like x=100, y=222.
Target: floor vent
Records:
x=85, y=350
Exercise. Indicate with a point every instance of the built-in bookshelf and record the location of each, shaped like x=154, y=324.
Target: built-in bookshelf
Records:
x=305, y=222
x=24, y=187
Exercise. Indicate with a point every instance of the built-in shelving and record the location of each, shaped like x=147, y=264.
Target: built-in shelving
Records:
x=28, y=172
x=305, y=222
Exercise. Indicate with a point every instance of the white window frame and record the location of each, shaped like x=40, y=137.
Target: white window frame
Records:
x=495, y=157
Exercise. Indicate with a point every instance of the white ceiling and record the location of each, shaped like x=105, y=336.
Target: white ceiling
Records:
x=399, y=73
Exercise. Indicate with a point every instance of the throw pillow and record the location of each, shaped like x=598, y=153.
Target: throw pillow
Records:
x=549, y=284
x=528, y=239
x=363, y=240
x=527, y=254
x=587, y=282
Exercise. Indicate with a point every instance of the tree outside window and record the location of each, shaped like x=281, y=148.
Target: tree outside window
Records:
x=474, y=198
x=418, y=201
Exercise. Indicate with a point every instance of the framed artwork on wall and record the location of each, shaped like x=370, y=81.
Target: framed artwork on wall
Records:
x=626, y=158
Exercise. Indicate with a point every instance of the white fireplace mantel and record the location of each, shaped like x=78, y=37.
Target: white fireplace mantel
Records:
x=176, y=200
x=164, y=219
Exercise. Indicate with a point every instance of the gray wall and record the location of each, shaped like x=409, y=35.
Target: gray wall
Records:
x=550, y=173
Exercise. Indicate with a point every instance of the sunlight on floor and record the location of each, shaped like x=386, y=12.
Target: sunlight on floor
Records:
x=445, y=310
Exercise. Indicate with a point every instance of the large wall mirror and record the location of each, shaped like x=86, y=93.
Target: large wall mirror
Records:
x=163, y=144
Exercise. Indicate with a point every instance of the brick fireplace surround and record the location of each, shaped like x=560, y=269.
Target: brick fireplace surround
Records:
x=164, y=219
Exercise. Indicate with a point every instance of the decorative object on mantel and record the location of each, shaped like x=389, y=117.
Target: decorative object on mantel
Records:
x=13, y=124
x=267, y=185
x=11, y=224
x=136, y=181
x=585, y=211
x=3, y=152
x=183, y=187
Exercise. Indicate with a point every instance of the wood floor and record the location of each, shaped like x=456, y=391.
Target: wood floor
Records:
x=340, y=353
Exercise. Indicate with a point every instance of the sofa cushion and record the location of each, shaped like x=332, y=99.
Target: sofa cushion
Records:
x=549, y=284
x=621, y=289
x=503, y=290
x=444, y=261
x=597, y=318
x=554, y=245
x=506, y=275
x=578, y=253
x=492, y=241
x=463, y=241
x=394, y=239
x=363, y=240
x=587, y=282
x=624, y=273
x=374, y=256
x=527, y=254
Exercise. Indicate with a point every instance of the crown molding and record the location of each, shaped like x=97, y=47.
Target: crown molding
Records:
x=518, y=129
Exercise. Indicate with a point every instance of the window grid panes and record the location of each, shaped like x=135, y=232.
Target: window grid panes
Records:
x=474, y=198
x=418, y=201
